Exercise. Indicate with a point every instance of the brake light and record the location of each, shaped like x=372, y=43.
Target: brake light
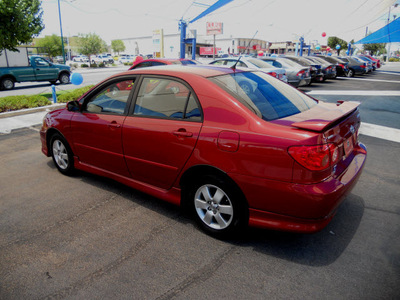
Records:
x=362, y=66
x=340, y=65
x=315, y=158
x=329, y=68
x=300, y=73
x=273, y=74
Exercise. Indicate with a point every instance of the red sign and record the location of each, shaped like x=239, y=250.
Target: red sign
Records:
x=208, y=50
x=214, y=28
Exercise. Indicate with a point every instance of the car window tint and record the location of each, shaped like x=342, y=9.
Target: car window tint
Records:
x=270, y=99
x=156, y=63
x=143, y=65
x=166, y=98
x=111, y=99
x=188, y=62
x=277, y=64
x=218, y=62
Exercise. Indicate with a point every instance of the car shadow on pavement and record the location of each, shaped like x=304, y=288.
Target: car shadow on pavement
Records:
x=318, y=249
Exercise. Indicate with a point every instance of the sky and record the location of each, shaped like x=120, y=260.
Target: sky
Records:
x=270, y=20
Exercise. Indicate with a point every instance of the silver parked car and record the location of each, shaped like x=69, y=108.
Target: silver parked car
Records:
x=297, y=75
x=252, y=63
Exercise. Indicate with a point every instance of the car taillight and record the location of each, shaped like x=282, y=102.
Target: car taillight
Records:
x=273, y=74
x=301, y=73
x=363, y=66
x=329, y=68
x=340, y=65
x=315, y=158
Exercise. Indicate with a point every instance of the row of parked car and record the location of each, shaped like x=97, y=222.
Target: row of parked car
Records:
x=295, y=70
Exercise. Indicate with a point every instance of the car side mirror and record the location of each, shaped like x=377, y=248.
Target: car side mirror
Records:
x=73, y=106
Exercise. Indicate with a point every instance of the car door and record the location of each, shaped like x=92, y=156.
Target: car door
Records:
x=162, y=130
x=97, y=129
x=44, y=70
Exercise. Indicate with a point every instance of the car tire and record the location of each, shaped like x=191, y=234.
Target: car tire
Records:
x=7, y=83
x=62, y=155
x=217, y=206
x=64, y=78
x=350, y=73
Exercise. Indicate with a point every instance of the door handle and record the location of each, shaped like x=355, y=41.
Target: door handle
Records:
x=183, y=133
x=114, y=124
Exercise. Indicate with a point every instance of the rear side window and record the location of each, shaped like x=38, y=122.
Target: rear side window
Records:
x=166, y=98
x=266, y=96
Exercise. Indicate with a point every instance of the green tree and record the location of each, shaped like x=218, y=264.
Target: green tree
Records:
x=20, y=21
x=374, y=48
x=51, y=44
x=117, y=46
x=91, y=44
x=333, y=41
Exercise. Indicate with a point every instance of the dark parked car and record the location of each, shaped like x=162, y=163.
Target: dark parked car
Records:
x=271, y=158
x=355, y=67
x=296, y=74
x=315, y=68
x=341, y=66
x=367, y=59
x=328, y=69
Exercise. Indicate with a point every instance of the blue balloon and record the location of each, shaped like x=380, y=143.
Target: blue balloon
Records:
x=76, y=78
x=318, y=47
x=337, y=46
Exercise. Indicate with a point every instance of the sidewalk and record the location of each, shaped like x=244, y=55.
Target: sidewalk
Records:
x=25, y=117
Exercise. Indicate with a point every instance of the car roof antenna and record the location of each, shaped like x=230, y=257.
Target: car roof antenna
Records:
x=248, y=45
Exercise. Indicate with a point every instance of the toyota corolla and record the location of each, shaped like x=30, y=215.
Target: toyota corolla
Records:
x=236, y=147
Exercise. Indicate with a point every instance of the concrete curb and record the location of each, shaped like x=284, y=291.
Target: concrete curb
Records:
x=26, y=111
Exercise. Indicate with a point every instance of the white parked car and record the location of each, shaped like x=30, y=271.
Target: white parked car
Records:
x=81, y=58
x=126, y=59
x=94, y=59
x=106, y=59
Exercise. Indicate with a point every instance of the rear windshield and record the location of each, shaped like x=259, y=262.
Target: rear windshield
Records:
x=267, y=97
x=259, y=63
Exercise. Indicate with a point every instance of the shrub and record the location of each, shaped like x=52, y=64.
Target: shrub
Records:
x=73, y=94
x=394, y=59
x=102, y=65
x=84, y=65
x=10, y=103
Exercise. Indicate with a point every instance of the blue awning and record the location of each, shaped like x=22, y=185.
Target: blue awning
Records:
x=387, y=34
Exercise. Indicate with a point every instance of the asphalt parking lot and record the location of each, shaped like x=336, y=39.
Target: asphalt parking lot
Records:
x=86, y=237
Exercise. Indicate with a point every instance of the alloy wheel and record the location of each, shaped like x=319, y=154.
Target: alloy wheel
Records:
x=213, y=207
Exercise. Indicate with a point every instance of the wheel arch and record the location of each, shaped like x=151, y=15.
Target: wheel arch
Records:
x=49, y=134
x=7, y=76
x=62, y=72
x=191, y=174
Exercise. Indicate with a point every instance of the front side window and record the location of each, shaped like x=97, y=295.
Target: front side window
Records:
x=166, y=98
x=267, y=97
x=111, y=99
x=41, y=62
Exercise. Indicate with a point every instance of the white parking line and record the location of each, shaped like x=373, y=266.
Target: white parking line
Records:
x=354, y=93
x=367, y=79
x=388, y=72
x=380, y=132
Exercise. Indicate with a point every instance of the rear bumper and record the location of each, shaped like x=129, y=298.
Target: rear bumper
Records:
x=299, y=207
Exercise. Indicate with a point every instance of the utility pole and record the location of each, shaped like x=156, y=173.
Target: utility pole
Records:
x=62, y=38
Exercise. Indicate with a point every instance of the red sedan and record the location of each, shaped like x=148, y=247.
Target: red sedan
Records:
x=267, y=156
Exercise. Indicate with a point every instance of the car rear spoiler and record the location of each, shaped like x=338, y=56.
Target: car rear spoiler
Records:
x=327, y=116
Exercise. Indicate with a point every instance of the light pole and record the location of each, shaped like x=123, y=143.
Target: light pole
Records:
x=62, y=38
x=389, y=44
